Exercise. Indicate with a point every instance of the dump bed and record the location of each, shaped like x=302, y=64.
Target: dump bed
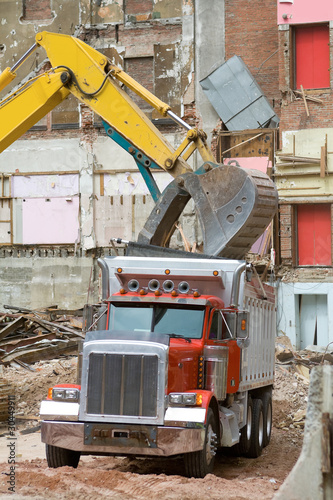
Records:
x=258, y=359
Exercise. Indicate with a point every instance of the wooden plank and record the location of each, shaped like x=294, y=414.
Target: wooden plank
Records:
x=305, y=103
x=322, y=162
x=12, y=327
x=323, y=159
x=101, y=184
x=325, y=444
x=309, y=97
x=11, y=345
x=49, y=325
x=294, y=158
x=33, y=355
x=298, y=174
x=242, y=143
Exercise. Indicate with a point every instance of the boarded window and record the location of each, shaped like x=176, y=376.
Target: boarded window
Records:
x=312, y=57
x=314, y=235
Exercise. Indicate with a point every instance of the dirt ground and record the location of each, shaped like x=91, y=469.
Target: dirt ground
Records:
x=124, y=478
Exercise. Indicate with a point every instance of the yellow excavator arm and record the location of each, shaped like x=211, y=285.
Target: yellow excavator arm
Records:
x=233, y=206
x=86, y=73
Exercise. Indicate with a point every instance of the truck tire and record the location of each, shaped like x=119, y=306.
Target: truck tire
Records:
x=60, y=457
x=247, y=430
x=268, y=417
x=257, y=437
x=200, y=463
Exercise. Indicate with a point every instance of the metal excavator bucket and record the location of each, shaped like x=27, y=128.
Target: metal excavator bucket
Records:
x=234, y=207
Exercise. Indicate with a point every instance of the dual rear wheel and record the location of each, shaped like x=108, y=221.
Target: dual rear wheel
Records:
x=256, y=433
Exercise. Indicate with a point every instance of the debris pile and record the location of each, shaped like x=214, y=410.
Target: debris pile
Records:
x=28, y=336
x=292, y=378
x=31, y=387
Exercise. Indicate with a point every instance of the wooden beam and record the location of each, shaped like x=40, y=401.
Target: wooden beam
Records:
x=242, y=143
x=323, y=159
x=308, y=97
x=296, y=159
x=12, y=327
x=305, y=103
x=101, y=184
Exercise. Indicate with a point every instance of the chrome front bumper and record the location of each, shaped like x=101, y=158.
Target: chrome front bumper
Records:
x=161, y=441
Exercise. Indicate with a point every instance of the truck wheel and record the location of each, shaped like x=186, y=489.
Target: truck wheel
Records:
x=268, y=417
x=200, y=463
x=257, y=438
x=60, y=457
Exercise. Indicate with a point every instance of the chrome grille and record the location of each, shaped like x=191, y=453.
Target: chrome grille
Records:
x=122, y=384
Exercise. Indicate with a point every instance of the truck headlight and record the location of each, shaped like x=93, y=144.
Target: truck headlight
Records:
x=185, y=398
x=69, y=394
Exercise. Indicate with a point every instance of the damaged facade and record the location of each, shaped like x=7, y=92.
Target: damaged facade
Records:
x=66, y=167
x=303, y=172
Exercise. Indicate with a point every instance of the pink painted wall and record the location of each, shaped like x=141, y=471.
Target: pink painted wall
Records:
x=44, y=185
x=256, y=162
x=304, y=11
x=54, y=221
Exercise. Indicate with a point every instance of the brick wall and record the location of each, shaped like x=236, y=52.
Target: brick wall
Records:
x=36, y=9
x=251, y=32
x=138, y=6
x=293, y=112
x=142, y=70
x=285, y=212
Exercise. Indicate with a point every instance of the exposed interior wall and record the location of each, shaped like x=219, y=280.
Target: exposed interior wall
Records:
x=251, y=33
x=66, y=162
x=303, y=11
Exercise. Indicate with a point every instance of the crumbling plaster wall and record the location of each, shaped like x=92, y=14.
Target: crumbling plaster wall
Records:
x=17, y=34
x=37, y=276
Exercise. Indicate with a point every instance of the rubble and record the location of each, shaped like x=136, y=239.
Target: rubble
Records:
x=28, y=336
x=292, y=377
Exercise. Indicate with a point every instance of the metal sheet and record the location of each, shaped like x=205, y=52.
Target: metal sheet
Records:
x=237, y=97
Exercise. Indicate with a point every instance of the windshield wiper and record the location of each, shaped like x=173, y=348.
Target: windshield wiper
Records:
x=177, y=336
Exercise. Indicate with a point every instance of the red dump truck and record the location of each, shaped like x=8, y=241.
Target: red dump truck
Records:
x=181, y=362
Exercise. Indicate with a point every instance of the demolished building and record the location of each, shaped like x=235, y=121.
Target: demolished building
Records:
x=66, y=168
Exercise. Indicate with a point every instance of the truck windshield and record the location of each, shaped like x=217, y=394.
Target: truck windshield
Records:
x=160, y=319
